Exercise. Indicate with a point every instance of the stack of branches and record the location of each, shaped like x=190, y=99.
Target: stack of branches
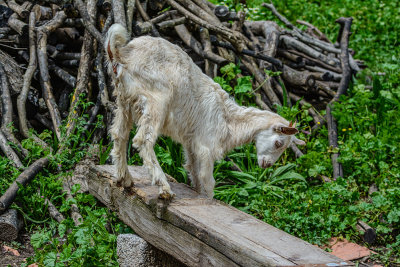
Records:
x=56, y=46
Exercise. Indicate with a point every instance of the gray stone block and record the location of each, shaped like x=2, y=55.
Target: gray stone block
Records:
x=134, y=251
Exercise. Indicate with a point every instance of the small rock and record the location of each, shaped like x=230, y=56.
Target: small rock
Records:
x=134, y=251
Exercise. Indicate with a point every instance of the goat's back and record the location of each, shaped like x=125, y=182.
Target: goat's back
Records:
x=197, y=106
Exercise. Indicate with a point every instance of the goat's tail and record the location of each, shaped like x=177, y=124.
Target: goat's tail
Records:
x=116, y=37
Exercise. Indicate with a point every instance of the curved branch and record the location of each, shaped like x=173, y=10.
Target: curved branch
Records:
x=9, y=152
x=43, y=32
x=23, y=124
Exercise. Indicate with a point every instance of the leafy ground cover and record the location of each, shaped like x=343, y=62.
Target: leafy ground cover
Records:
x=368, y=119
x=292, y=195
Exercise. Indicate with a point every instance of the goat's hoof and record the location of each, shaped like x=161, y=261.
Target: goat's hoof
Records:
x=127, y=182
x=166, y=194
x=130, y=190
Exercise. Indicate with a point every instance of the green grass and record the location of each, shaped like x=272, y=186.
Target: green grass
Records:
x=376, y=24
x=369, y=139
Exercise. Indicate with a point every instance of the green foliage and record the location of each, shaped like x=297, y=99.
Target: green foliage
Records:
x=368, y=119
x=376, y=24
x=315, y=211
x=63, y=244
x=89, y=244
x=236, y=84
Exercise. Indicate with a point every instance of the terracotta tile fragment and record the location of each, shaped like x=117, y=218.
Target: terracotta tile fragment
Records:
x=348, y=251
x=13, y=251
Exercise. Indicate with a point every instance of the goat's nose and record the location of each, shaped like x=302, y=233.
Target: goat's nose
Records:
x=266, y=164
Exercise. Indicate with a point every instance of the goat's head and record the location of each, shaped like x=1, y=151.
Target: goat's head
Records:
x=272, y=142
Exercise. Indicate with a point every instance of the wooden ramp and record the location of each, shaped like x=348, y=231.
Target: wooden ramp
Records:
x=199, y=231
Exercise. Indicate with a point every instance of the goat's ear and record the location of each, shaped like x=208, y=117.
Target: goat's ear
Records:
x=298, y=141
x=285, y=130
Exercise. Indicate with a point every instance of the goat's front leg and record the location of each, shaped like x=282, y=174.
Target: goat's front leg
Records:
x=149, y=125
x=119, y=131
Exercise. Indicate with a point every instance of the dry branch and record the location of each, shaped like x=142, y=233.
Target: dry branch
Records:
x=271, y=33
x=262, y=80
x=25, y=177
x=223, y=13
x=345, y=24
x=87, y=20
x=292, y=43
x=119, y=12
x=130, y=10
x=201, y=13
x=17, y=25
x=54, y=213
x=247, y=52
x=76, y=216
x=368, y=233
x=83, y=71
x=42, y=12
x=7, y=112
x=22, y=12
x=9, y=152
x=61, y=73
x=298, y=78
x=146, y=18
x=171, y=23
x=315, y=30
x=190, y=41
x=229, y=34
x=43, y=32
x=21, y=101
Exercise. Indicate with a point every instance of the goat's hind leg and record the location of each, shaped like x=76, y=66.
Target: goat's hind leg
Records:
x=119, y=131
x=205, y=182
x=149, y=124
x=190, y=166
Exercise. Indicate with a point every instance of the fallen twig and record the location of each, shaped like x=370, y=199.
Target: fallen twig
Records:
x=25, y=177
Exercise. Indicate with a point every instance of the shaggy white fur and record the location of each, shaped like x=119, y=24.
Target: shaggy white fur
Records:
x=162, y=91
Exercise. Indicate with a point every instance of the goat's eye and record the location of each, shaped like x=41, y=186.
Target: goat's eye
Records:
x=278, y=144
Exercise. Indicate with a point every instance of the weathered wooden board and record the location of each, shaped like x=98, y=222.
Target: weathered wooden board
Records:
x=199, y=231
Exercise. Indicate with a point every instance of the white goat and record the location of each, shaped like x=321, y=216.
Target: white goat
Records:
x=161, y=90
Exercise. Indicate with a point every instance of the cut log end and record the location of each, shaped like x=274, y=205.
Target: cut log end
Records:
x=10, y=225
x=368, y=233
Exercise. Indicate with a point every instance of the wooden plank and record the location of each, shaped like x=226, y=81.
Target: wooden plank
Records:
x=136, y=213
x=199, y=231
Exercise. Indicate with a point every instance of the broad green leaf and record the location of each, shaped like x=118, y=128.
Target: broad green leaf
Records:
x=289, y=176
x=39, y=239
x=279, y=171
x=221, y=81
x=316, y=170
x=62, y=228
x=241, y=175
x=50, y=259
x=244, y=85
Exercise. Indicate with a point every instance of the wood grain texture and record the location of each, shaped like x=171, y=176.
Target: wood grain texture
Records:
x=199, y=231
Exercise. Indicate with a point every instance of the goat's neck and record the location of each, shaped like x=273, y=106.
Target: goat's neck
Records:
x=245, y=123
